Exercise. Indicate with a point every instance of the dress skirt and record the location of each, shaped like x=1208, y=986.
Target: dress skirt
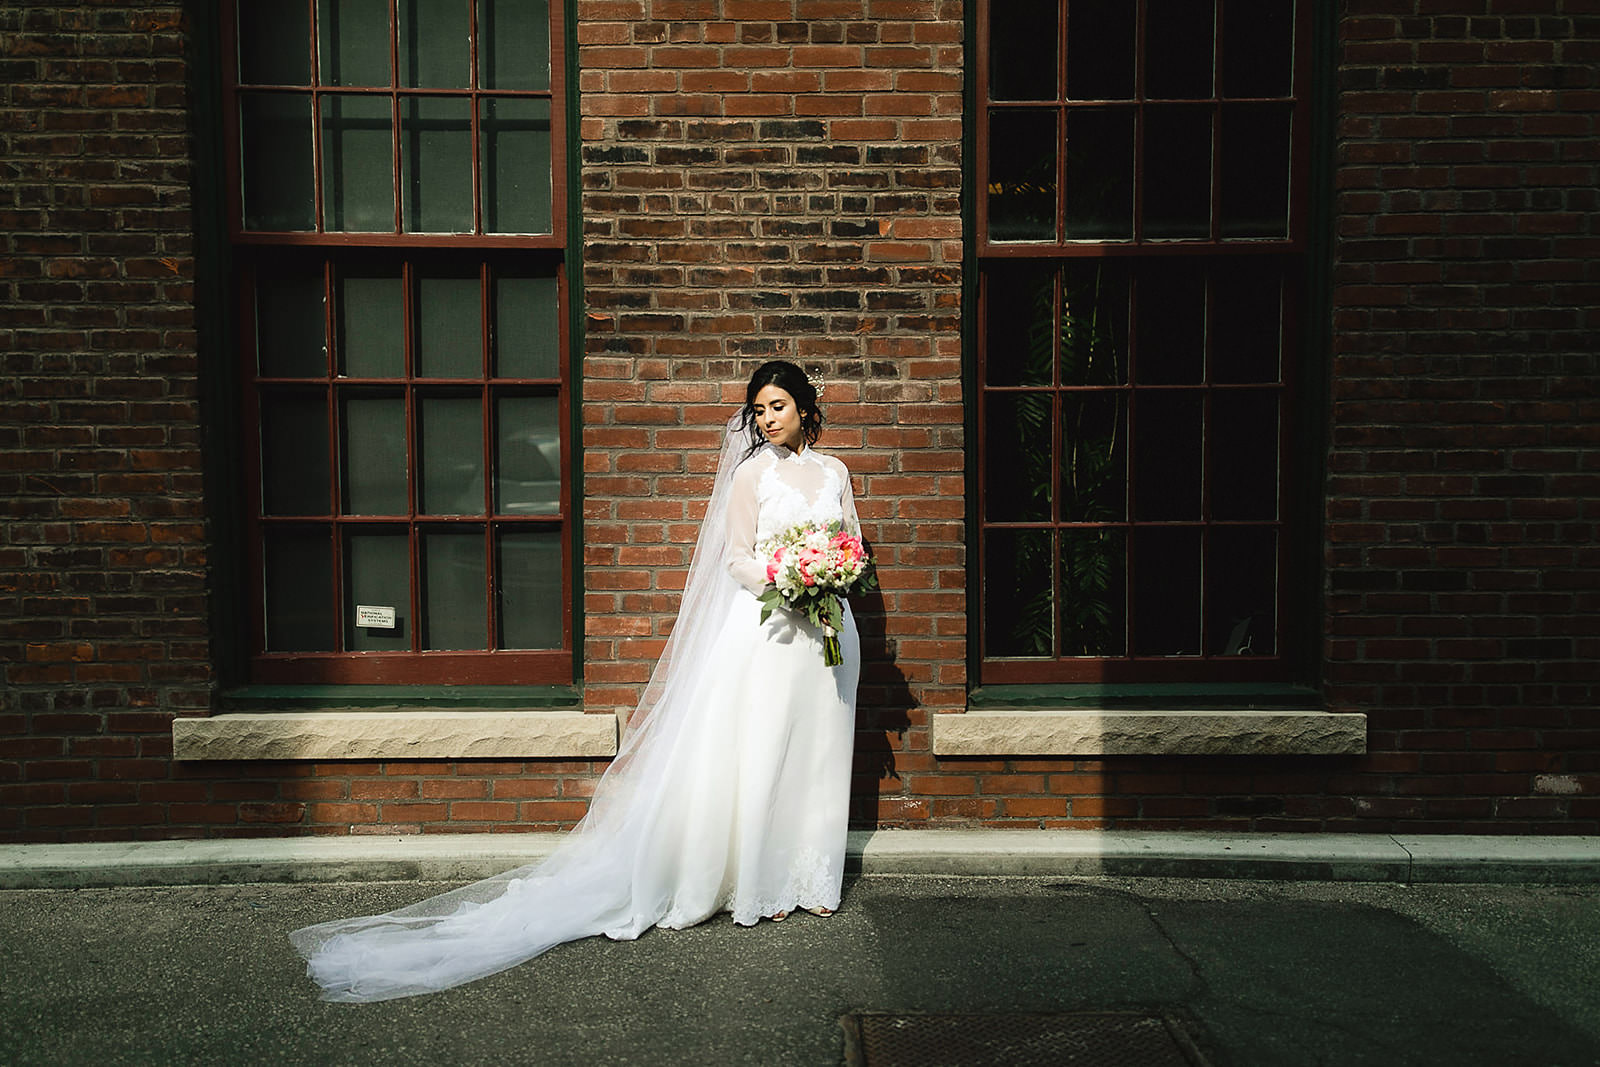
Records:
x=756, y=818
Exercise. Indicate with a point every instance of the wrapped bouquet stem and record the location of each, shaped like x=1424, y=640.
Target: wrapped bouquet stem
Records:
x=812, y=569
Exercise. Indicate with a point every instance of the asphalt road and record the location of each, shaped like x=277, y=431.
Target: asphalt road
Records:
x=1253, y=972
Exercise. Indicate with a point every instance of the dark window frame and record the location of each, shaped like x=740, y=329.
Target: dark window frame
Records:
x=1132, y=254
x=429, y=253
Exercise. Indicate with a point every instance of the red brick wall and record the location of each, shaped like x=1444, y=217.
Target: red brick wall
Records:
x=1464, y=571
x=782, y=177
x=776, y=179
x=103, y=628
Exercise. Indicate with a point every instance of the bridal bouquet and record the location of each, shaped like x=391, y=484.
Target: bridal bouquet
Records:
x=811, y=568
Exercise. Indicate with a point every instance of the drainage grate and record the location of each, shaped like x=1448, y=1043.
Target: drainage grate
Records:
x=1088, y=1039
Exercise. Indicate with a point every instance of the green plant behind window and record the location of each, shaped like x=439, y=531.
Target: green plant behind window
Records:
x=1088, y=584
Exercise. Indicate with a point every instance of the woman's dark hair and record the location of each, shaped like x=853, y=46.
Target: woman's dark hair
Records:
x=792, y=380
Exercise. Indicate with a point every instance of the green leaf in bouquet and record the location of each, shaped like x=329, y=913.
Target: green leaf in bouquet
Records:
x=770, y=601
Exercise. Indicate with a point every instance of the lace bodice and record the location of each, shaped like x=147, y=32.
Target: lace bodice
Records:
x=774, y=490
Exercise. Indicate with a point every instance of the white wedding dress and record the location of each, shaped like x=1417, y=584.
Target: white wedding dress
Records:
x=730, y=791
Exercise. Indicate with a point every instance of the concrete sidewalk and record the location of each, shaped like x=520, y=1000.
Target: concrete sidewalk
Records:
x=1252, y=973
x=1415, y=859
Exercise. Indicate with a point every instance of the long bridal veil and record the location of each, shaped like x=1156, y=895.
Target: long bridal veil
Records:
x=599, y=879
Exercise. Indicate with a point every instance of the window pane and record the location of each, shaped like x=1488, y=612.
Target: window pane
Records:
x=1099, y=174
x=451, y=428
x=291, y=327
x=353, y=42
x=1019, y=324
x=1093, y=592
x=294, y=453
x=1018, y=465
x=528, y=456
x=1255, y=170
x=275, y=161
x=449, y=328
x=436, y=164
x=1018, y=609
x=1257, y=47
x=1241, y=590
x=357, y=164
x=1094, y=325
x=433, y=44
x=1166, y=591
x=513, y=44
x=514, y=136
x=373, y=454
x=1244, y=454
x=1094, y=463
x=1178, y=49
x=371, y=326
x=1022, y=175
x=377, y=573
x=274, y=43
x=299, y=588
x=1171, y=326
x=1100, y=49
x=1166, y=453
x=1247, y=314
x=528, y=572
x=527, y=327
x=1023, y=37
x=454, y=590
x=1177, y=169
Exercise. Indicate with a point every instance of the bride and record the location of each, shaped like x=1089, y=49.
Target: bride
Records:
x=730, y=788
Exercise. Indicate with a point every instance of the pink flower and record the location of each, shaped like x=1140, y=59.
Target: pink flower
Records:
x=774, y=563
x=809, y=558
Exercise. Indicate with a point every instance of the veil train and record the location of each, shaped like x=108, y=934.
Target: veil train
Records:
x=604, y=877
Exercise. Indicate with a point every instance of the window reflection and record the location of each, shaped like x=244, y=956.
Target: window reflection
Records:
x=528, y=462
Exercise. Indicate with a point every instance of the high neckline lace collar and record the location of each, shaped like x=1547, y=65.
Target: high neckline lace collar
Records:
x=785, y=455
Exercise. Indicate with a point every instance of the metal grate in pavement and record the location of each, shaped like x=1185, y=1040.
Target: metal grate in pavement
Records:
x=1075, y=1039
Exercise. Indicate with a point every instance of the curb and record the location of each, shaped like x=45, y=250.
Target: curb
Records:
x=951, y=853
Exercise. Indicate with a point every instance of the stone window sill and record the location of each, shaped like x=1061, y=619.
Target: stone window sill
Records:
x=379, y=723
x=376, y=735
x=1148, y=726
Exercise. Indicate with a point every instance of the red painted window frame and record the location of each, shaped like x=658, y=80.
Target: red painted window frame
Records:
x=1131, y=253
x=544, y=252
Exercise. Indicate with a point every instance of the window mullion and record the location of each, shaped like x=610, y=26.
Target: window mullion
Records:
x=475, y=106
x=335, y=481
x=396, y=136
x=409, y=290
x=317, y=169
x=1140, y=18
x=487, y=422
x=1215, y=228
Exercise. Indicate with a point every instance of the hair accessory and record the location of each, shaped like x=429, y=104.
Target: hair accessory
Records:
x=815, y=378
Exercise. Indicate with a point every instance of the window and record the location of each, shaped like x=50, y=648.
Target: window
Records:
x=397, y=219
x=1141, y=253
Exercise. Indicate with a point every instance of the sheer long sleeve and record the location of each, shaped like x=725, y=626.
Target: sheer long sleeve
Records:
x=847, y=501
x=747, y=569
